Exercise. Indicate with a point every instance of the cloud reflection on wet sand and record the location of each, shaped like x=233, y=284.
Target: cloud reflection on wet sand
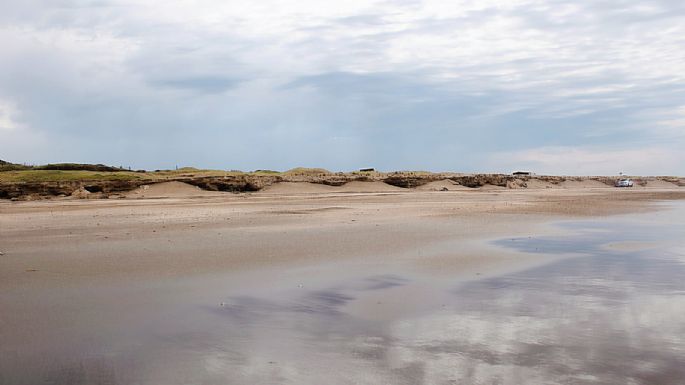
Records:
x=612, y=316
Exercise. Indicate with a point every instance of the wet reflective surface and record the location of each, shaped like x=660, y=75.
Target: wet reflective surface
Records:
x=613, y=312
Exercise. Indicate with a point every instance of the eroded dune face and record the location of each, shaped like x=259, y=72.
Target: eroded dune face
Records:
x=314, y=188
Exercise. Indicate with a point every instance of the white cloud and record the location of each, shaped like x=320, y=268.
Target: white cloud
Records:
x=8, y=112
x=605, y=70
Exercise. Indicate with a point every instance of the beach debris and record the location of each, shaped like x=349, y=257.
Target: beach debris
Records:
x=222, y=304
x=300, y=286
x=1, y=253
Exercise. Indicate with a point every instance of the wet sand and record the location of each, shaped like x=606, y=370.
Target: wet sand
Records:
x=298, y=287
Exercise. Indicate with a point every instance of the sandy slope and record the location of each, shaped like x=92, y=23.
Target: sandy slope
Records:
x=289, y=188
x=539, y=184
x=583, y=184
x=662, y=184
x=490, y=187
x=169, y=190
x=368, y=187
x=297, y=188
x=441, y=185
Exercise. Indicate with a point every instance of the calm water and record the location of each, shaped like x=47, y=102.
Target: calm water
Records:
x=613, y=313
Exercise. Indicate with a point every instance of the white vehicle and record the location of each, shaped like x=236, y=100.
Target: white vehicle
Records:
x=624, y=183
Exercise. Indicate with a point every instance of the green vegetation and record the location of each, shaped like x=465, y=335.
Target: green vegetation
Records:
x=11, y=172
x=307, y=171
x=79, y=167
x=43, y=175
x=7, y=166
x=65, y=176
x=62, y=172
x=413, y=173
x=265, y=172
x=187, y=172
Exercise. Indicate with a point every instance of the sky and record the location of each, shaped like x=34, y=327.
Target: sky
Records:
x=551, y=86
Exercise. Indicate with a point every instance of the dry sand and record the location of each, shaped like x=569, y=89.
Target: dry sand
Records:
x=540, y=184
x=169, y=190
x=661, y=184
x=583, y=184
x=297, y=188
x=490, y=187
x=369, y=187
x=442, y=185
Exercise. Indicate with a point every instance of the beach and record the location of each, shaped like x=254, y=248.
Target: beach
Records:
x=181, y=230
x=78, y=275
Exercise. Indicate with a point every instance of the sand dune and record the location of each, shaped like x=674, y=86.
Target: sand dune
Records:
x=583, y=184
x=660, y=184
x=317, y=188
x=368, y=187
x=169, y=190
x=441, y=185
x=298, y=188
x=536, y=184
x=491, y=187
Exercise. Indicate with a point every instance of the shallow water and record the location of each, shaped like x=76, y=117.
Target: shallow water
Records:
x=613, y=312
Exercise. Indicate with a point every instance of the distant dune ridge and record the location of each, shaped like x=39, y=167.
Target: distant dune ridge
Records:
x=85, y=181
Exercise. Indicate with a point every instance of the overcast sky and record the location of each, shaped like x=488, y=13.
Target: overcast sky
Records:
x=554, y=86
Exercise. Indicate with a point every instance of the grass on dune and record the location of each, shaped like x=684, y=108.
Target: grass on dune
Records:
x=188, y=172
x=306, y=171
x=265, y=172
x=81, y=175
x=64, y=176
